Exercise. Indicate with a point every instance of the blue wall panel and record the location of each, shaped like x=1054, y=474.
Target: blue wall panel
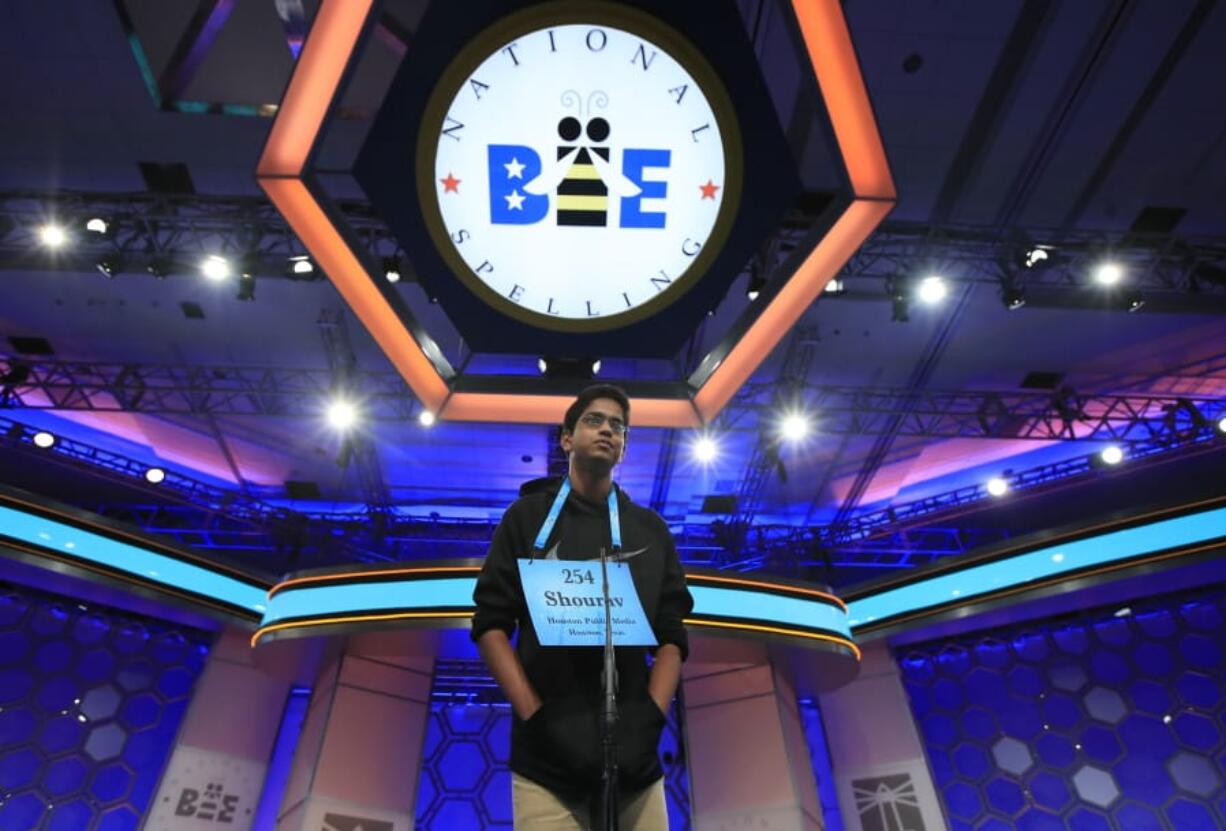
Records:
x=90, y=703
x=1107, y=720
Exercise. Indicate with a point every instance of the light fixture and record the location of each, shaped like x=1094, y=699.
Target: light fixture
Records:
x=794, y=427
x=1013, y=297
x=932, y=290
x=1111, y=455
x=899, y=305
x=705, y=449
x=756, y=281
x=1108, y=273
x=52, y=235
x=998, y=486
x=215, y=268
x=97, y=225
x=109, y=266
x=574, y=369
x=155, y=475
x=391, y=269
x=835, y=286
x=44, y=439
x=426, y=418
x=301, y=265
x=160, y=267
x=1035, y=256
x=1134, y=301
x=341, y=415
x=1221, y=425
x=246, y=287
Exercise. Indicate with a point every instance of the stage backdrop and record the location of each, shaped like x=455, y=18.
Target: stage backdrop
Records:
x=1107, y=720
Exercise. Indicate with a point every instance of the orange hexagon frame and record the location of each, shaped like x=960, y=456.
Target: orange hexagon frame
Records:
x=316, y=81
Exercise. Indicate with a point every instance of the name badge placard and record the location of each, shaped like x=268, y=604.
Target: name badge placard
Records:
x=566, y=603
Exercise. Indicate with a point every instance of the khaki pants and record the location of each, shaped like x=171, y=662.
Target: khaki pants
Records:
x=538, y=809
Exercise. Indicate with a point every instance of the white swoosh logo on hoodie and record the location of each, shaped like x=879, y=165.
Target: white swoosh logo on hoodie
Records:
x=552, y=554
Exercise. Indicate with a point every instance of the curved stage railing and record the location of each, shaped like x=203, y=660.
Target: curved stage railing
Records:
x=67, y=541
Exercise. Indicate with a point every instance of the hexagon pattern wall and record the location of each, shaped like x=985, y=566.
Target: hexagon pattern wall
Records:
x=465, y=781
x=1110, y=720
x=90, y=703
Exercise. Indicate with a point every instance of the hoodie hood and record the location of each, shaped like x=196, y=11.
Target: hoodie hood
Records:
x=549, y=485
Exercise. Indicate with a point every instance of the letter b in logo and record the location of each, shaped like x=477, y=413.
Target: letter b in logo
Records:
x=511, y=166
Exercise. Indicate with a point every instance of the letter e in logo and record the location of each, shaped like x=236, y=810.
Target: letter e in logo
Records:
x=634, y=160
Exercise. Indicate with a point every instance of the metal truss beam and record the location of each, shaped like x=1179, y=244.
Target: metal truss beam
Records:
x=206, y=517
x=156, y=389
x=174, y=232
x=164, y=235
x=785, y=394
x=298, y=541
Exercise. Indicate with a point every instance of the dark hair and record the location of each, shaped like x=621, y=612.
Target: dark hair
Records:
x=587, y=397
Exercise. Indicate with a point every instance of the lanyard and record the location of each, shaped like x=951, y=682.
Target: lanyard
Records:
x=542, y=536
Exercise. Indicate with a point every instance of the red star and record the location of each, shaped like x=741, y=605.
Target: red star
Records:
x=708, y=190
x=451, y=184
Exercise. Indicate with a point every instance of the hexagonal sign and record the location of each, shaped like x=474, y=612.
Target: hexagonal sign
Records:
x=571, y=180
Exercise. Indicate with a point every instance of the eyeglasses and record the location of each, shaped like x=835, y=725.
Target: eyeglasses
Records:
x=597, y=420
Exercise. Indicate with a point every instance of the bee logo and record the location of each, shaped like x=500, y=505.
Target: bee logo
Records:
x=581, y=179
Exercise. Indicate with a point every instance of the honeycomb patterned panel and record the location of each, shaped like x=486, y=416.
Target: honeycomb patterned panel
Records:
x=1107, y=721
x=90, y=703
x=464, y=780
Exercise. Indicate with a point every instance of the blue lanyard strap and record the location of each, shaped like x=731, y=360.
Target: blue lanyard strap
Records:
x=542, y=536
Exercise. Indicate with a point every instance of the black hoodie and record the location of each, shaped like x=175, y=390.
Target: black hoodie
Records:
x=559, y=746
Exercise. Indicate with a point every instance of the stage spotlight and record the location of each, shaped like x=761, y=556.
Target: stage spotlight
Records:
x=215, y=268
x=1134, y=301
x=754, y=288
x=391, y=269
x=997, y=486
x=155, y=475
x=541, y=366
x=794, y=427
x=1035, y=256
x=1108, y=273
x=109, y=265
x=426, y=418
x=899, y=304
x=1112, y=455
x=705, y=449
x=246, y=288
x=52, y=236
x=596, y=367
x=341, y=415
x=44, y=439
x=1012, y=297
x=835, y=286
x=1221, y=425
x=97, y=225
x=932, y=290
x=301, y=265
x=160, y=267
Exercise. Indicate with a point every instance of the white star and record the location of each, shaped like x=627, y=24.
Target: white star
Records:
x=515, y=170
x=515, y=201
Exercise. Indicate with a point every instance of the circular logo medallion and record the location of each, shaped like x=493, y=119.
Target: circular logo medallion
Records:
x=579, y=166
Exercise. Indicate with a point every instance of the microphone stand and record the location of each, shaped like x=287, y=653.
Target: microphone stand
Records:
x=608, y=716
